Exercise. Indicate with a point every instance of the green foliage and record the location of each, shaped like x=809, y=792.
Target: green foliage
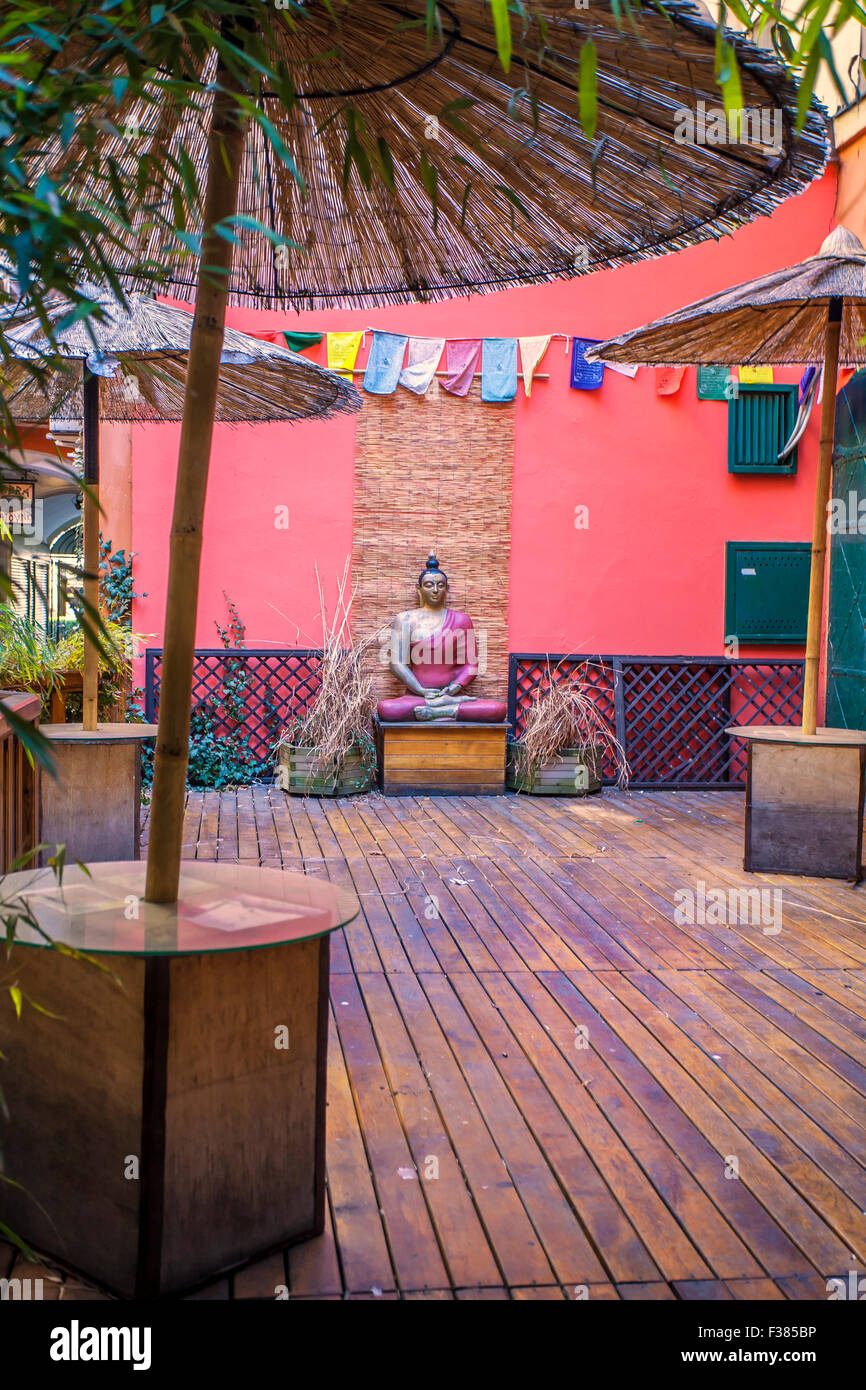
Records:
x=219, y=752
x=30, y=660
x=116, y=585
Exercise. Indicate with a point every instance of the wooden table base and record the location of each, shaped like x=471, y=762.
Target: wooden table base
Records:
x=804, y=801
x=93, y=805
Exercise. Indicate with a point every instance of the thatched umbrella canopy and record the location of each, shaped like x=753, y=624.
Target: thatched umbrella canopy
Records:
x=809, y=313
x=520, y=187
x=424, y=171
x=139, y=353
x=130, y=363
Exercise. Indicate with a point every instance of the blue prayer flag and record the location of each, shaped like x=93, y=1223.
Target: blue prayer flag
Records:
x=585, y=376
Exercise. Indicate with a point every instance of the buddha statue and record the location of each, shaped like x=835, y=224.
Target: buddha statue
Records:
x=434, y=654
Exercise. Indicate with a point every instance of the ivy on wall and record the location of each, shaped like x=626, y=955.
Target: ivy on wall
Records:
x=219, y=752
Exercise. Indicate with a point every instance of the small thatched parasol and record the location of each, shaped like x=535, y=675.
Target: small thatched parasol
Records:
x=809, y=313
x=485, y=180
x=130, y=363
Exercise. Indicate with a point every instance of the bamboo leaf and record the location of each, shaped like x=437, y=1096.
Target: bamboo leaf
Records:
x=588, y=89
x=807, y=83
x=826, y=48
x=502, y=29
x=430, y=180
x=386, y=163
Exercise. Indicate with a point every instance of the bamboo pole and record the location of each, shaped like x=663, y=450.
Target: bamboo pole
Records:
x=225, y=148
x=90, y=442
x=819, y=520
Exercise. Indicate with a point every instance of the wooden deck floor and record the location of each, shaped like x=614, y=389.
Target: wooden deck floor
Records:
x=540, y=1086
x=539, y=1082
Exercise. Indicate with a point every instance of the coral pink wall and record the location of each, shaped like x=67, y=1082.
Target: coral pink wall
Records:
x=646, y=577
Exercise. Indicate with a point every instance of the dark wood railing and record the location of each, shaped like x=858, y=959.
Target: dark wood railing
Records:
x=19, y=814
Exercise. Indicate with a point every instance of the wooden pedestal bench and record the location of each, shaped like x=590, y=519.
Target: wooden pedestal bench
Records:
x=440, y=758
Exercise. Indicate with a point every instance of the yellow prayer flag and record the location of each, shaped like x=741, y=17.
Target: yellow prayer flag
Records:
x=531, y=352
x=756, y=376
x=343, y=352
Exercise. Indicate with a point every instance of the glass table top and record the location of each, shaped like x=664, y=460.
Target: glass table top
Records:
x=220, y=907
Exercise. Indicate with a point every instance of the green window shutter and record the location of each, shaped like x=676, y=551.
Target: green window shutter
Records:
x=760, y=421
x=767, y=590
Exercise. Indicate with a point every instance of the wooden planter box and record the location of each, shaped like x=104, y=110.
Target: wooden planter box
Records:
x=168, y=1056
x=804, y=801
x=92, y=803
x=571, y=774
x=299, y=777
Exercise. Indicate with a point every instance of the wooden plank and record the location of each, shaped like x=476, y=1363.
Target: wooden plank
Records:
x=758, y=1202
x=443, y=745
x=448, y=764
x=754, y=1289
x=519, y=1253
x=434, y=1169
x=411, y=1236
x=538, y=1292
x=645, y=1293
x=427, y=782
x=261, y=1280
x=357, y=1219
x=752, y=1099
x=704, y=1290
x=820, y=1044
x=717, y=1010
x=565, y=1244
x=593, y=1202
x=795, y=1054
x=670, y=1248
x=313, y=1265
x=684, y=1167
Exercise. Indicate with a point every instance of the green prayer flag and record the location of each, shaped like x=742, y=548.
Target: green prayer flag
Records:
x=714, y=383
x=299, y=341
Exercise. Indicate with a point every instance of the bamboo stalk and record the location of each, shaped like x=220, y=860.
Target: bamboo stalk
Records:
x=225, y=146
x=90, y=441
x=819, y=521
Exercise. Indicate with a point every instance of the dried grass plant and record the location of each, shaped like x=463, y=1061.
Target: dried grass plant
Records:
x=338, y=721
x=564, y=716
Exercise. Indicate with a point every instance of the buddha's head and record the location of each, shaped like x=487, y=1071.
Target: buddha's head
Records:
x=432, y=584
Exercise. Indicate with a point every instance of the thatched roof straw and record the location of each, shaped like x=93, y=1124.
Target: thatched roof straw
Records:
x=778, y=318
x=140, y=354
x=516, y=203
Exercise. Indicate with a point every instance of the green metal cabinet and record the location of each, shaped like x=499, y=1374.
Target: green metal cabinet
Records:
x=767, y=590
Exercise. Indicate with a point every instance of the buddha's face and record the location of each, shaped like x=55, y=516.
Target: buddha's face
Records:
x=433, y=590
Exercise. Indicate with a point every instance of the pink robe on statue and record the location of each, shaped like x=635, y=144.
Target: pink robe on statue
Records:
x=449, y=654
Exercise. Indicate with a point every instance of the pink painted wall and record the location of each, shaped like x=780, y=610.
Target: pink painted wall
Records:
x=647, y=577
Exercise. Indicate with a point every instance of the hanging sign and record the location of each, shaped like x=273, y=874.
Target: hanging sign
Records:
x=756, y=376
x=714, y=383
x=17, y=503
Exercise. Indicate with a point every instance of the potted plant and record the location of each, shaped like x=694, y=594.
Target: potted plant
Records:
x=31, y=660
x=565, y=740
x=327, y=749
